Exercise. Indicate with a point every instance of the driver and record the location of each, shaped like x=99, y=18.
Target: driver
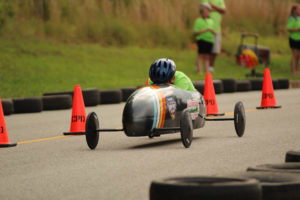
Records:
x=164, y=71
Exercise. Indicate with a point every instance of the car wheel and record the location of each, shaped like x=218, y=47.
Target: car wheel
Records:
x=186, y=128
x=239, y=119
x=91, y=126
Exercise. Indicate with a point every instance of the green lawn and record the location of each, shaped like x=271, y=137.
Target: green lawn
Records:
x=32, y=67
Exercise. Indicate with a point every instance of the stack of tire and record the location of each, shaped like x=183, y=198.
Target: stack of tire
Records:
x=263, y=182
x=231, y=85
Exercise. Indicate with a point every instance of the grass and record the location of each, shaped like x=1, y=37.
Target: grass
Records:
x=32, y=67
x=134, y=22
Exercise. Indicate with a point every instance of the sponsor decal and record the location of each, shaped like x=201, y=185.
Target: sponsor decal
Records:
x=193, y=107
x=172, y=106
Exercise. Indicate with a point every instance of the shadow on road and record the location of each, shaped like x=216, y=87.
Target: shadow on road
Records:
x=159, y=143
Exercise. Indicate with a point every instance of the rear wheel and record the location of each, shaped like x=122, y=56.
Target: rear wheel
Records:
x=186, y=128
x=239, y=119
x=91, y=126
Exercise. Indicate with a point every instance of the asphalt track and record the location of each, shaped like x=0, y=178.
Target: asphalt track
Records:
x=47, y=165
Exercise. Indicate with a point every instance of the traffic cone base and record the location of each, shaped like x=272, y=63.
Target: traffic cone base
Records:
x=78, y=118
x=8, y=145
x=74, y=133
x=270, y=107
x=216, y=115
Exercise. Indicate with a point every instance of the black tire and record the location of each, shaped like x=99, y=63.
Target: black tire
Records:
x=218, y=85
x=282, y=167
x=239, y=119
x=126, y=92
x=91, y=135
x=199, y=85
x=275, y=186
x=59, y=93
x=229, y=85
x=283, y=83
x=243, y=85
x=186, y=128
x=28, y=105
x=91, y=97
x=208, y=188
x=292, y=156
x=111, y=96
x=275, y=84
x=8, y=106
x=57, y=102
x=256, y=84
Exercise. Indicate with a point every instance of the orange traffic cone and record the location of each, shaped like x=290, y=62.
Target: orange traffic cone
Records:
x=210, y=97
x=78, y=118
x=268, y=97
x=4, y=141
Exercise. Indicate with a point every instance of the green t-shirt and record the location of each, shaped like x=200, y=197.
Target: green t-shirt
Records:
x=294, y=22
x=216, y=16
x=201, y=24
x=182, y=81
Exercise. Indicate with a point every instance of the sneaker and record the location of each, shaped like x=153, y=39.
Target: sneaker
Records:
x=211, y=69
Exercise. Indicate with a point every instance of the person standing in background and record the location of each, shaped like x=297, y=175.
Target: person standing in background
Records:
x=218, y=9
x=205, y=34
x=293, y=26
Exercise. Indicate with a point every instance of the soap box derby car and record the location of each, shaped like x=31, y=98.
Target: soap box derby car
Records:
x=161, y=109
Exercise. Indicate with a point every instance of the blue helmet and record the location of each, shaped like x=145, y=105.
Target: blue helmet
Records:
x=162, y=70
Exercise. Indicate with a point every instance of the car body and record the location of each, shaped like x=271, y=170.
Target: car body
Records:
x=151, y=110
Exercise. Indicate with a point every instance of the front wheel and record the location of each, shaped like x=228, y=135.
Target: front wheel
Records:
x=239, y=119
x=186, y=128
x=91, y=126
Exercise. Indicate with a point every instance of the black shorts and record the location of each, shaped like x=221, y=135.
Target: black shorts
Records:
x=204, y=47
x=294, y=44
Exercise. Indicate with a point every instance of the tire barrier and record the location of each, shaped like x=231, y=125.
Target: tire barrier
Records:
x=209, y=188
x=283, y=83
x=126, y=92
x=199, y=86
x=290, y=167
x=275, y=84
x=275, y=186
x=111, y=96
x=59, y=93
x=57, y=102
x=243, y=85
x=292, y=156
x=8, y=107
x=229, y=85
x=28, y=105
x=91, y=97
x=256, y=84
x=218, y=85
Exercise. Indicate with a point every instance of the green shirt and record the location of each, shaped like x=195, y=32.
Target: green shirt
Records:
x=202, y=24
x=182, y=81
x=294, y=22
x=216, y=16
